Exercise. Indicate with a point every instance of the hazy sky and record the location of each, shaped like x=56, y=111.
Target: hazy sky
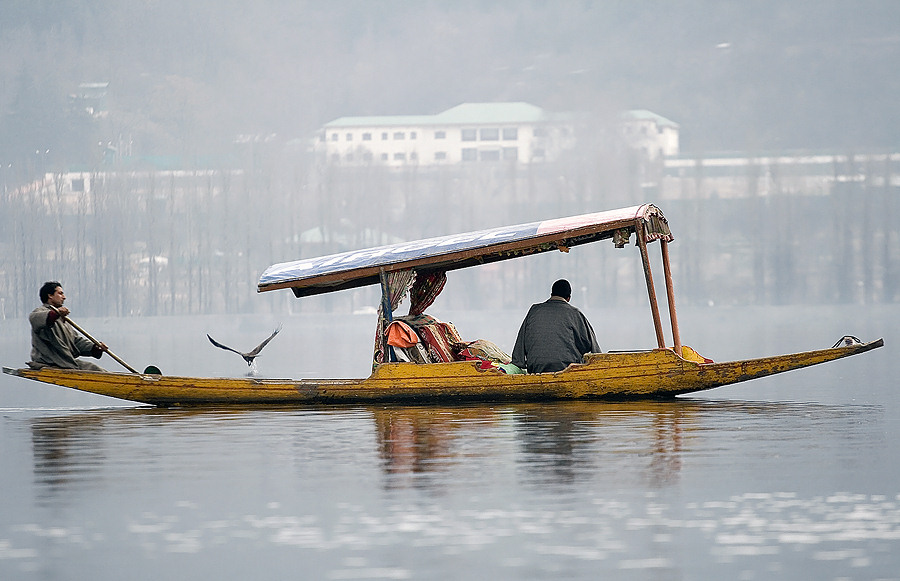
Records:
x=735, y=75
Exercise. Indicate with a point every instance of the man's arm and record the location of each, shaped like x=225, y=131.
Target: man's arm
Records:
x=518, y=354
x=41, y=318
x=590, y=344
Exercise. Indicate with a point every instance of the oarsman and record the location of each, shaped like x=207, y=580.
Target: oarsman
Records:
x=53, y=342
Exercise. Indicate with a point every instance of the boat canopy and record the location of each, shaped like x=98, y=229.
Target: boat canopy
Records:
x=358, y=268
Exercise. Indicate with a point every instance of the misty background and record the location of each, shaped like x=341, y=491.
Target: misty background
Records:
x=211, y=109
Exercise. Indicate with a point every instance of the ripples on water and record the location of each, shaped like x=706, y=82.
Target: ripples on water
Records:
x=674, y=490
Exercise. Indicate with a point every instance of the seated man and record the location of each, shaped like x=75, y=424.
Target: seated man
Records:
x=554, y=334
x=53, y=342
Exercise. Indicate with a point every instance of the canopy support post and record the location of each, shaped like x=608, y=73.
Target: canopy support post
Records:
x=670, y=295
x=651, y=291
x=387, y=316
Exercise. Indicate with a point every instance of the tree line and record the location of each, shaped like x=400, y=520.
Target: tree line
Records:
x=195, y=242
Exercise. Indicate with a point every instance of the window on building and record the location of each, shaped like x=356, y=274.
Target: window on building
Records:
x=349, y=137
x=469, y=135
x=537, y=153
x=334, y=136
x=384, y=136
x=440, y=135
x=489, y=134
x=511, y=153
x=336, y=157
x=367, y=156
x=490, y=155
x=469, y=154
x=510, y=133
x=540, y=132
x=367, y=137
x=384, y=157
x=440, y=155
x=412, y=134
x=399, y=135
x=78, y=185
x=413, y=156
x=399, y=157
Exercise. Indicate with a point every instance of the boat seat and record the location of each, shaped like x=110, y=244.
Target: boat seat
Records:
x=440, y=338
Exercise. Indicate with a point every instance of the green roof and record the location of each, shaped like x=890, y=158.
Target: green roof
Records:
x=383, y=120
x=493, y=113
x=480, y=114
x=644, y=115
x=466, y=113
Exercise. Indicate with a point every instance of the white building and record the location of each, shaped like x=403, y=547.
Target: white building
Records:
x=653, y=134
x=477, y=132
x=470, y=132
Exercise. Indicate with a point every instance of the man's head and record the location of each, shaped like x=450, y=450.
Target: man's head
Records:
x=52, y=293
x=562, y=289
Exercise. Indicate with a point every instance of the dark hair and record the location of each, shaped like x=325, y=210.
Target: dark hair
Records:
x=48, y=289
x=561, y=288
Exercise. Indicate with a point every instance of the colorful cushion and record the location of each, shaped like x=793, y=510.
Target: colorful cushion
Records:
x=401, y=335
x=482, y=349
x=440, y=337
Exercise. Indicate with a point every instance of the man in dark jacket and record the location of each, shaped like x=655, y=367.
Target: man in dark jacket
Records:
x=554, y=334
x=53, y=342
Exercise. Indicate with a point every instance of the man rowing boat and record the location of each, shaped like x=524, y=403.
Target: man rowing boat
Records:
x=53, y=343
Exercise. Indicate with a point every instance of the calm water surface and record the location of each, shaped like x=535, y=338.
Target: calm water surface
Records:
x=790, y=477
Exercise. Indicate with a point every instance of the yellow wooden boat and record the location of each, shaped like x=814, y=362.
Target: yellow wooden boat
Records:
x=662, y=372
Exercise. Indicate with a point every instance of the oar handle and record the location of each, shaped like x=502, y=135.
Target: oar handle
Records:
x=95, y=342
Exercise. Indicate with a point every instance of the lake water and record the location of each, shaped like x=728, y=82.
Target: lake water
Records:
x=790, y=477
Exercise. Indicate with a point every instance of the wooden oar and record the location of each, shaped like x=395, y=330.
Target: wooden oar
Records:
x=97, y=343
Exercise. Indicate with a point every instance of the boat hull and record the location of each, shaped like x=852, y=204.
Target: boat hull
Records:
x=654, y=374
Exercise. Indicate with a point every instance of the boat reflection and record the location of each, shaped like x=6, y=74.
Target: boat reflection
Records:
x=65, y=451
x=555, y=443
x=621, y=445
x=418, y=440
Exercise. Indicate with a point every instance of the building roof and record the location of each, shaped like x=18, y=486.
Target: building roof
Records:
x=645, y=115
x=466, y=113
x=492, y=113
x=381, y=121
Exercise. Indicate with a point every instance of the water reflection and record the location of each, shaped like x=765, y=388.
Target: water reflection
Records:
x=68, y=451
x=668, y=490
x=557, y=444
x=572, y=440
x=665, y=461
x=420, y=440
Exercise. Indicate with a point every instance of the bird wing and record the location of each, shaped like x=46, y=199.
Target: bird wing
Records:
x=259, y=347
x=220, y=346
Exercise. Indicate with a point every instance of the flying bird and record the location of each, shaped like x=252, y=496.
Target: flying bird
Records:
x=250, y=355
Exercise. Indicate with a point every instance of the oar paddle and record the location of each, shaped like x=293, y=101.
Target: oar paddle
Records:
x=150, y=369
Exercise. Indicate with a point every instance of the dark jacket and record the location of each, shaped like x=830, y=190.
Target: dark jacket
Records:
x=553, y=335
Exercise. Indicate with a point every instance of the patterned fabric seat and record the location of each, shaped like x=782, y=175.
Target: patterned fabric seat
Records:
x=481, y=350
x=437, y=337
x=440, y=338
x=406, y=343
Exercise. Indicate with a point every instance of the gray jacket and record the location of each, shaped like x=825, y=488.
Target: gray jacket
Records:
x=56, y=344
x=553, y=335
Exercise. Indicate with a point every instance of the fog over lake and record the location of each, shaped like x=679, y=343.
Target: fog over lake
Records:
x=157, y=157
